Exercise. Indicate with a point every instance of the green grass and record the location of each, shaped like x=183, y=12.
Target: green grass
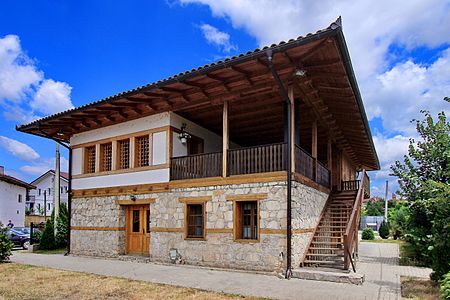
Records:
x=388, y=241
x=54, y=251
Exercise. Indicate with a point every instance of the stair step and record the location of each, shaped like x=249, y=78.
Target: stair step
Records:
x=327, y=248
x=326, y=243
x=325, y=262
x=325, y=255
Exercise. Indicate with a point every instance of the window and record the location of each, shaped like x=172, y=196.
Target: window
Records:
x=90, y=159
x=49, y=191
x=48, y=207
x=195, y=222
x=65, y=189
x=123, y=148
x=106, y=157
x=39, y=192
x=246, y=220
x=62, y=190
x=142, y=151
x=20, y=198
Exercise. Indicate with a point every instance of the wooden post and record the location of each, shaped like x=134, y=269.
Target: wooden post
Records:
x=330, y=161
x=292, y=123
x=225, y=140
x=314, y=148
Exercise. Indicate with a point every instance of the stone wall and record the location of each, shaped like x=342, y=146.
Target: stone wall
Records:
x=98, y=227
x=307, y=205
x=219, y=248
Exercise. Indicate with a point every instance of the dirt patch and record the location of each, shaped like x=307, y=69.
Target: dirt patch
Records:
x=419, y=289
x=29, y=282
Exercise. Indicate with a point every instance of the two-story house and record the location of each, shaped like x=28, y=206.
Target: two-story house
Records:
x=43, y=196
x=255, y=162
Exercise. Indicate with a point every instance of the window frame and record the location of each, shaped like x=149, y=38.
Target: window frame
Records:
x=86, y=159
x=119, y=154
x=238, y=220
x=186, y=221
x=103, y=159
x=137, y=149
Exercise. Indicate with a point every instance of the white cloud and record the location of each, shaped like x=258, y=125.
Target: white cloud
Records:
x=25, y=94
x=398, y=95
x=216, y=37
x=52, y=97
x=18, y=149
x=17, y=72
x=40, y=167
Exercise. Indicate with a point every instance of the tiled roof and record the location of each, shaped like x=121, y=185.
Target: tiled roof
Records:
x=15, y=181
x=194, y=72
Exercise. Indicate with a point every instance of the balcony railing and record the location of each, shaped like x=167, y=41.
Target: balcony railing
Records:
x=304, y=163
x=259, y=159
x=249, y=160
x=196, y=166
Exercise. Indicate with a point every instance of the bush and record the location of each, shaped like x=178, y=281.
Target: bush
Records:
x=368, y=234
x=47, y=241
x=384, y=230
x=62, y=225
x=445, y=287
x=5, y=244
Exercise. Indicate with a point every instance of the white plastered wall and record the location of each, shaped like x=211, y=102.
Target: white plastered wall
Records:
x=10, y=208
x=212, y=141
x=158, y=153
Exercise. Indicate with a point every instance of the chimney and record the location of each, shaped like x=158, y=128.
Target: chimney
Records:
x=2, y=170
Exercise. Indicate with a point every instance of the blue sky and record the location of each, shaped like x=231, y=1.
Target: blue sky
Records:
x=58, y=54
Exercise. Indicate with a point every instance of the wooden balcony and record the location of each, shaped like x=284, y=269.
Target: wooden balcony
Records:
x=249, y=160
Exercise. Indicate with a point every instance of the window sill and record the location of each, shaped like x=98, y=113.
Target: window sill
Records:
x=245, y=241
x=195, y=239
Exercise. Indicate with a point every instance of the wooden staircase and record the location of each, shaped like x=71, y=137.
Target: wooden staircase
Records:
x=326, y=248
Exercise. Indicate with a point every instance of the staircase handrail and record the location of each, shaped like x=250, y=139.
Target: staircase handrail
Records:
x=351, y=230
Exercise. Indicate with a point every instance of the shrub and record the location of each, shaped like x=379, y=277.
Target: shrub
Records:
x=368, y=234
x=445, y=287
x=47, y=241
x=384, y=230
x=62, y=225
x=5, y=244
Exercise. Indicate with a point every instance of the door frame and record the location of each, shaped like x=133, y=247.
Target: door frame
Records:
x=144, y=228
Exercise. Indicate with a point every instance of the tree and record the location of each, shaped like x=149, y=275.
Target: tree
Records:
x=384, y=230
x=398, y=219
x=47, y=241
x=424, y=178
x=62, y=224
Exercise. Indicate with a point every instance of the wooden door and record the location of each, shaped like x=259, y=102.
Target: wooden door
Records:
x=138, y=229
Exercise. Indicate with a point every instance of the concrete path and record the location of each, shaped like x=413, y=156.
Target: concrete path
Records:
x=378, y=261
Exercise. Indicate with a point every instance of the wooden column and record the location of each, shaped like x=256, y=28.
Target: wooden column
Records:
x=97, y=158
x=314, y=148
x=292, y=123
x=329, y=155
x=225, y=140
x=114, y=159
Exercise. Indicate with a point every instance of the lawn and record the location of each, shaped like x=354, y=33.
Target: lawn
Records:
x=419, y=289
x=29, y=282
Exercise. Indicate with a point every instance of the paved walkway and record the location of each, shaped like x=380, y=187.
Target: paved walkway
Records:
x=378, y=261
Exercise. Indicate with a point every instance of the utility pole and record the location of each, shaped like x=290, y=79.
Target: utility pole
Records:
x=386, y=202
x=56, y=197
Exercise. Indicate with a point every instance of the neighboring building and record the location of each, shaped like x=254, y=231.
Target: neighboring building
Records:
x=13, y=194
x=194, y=167
x=45, y=192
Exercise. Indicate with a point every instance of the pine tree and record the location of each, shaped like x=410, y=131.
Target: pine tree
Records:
x=62, y=225
x=47, y=241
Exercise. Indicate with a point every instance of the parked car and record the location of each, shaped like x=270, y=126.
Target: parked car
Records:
x=26, y=230
x=19, y=239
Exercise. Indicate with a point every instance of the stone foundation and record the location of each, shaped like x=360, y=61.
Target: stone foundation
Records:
x=99, y=226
